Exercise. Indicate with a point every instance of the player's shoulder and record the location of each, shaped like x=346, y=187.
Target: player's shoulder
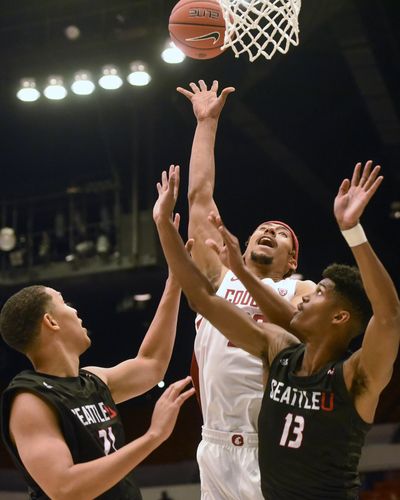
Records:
x=29, y=406
x=304, y=287
x=279, y=340
x=221, y=276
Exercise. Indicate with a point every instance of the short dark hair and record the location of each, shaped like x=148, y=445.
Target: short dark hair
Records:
x=349, y=286
x=21, y=315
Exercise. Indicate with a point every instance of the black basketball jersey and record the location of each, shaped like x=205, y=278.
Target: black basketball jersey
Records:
x=310, y=434
x=88, y=417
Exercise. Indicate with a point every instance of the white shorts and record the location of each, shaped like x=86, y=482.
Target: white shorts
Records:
x=228, y=464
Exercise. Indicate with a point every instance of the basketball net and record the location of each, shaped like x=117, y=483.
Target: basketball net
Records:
x=260, y=27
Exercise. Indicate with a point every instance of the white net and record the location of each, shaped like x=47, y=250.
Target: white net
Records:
x=261, y=27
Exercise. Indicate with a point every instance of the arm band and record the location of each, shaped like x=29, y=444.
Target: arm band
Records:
x=355, y=236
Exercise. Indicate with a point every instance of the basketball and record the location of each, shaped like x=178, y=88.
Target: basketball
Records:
x=197, y=27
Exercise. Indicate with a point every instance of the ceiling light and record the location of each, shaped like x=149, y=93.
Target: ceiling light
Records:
x=139, y=75
x=110, y=79
x=142, y=297
x=55, y=89
x=83, y=84
x=28, y=91
x=72, y=32
x=171, y=54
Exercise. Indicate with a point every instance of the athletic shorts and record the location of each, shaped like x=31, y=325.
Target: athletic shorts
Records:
x=228, y=464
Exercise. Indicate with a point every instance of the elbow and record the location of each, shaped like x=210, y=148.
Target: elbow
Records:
x=65, y=492
x=198, y=195
x=193, y=196
x=390, y=318
x=199, y=302
x=160, y=371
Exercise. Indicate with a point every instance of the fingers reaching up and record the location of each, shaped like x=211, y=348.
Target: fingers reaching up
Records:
x=354, y=195
x=229, y=253
x=167, y=195
x=206, y=103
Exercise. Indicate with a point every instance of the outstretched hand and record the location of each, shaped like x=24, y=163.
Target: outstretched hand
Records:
x=167, y=408
x=167, y=196
x=353, y=196
x=205, y=102
x=229, y=253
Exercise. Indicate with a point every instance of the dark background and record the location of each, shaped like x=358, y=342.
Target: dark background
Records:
x=292, y=131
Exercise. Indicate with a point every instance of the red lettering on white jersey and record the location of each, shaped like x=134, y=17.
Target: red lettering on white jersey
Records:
x=240, y=297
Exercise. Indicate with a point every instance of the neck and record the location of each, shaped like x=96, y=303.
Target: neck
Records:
x=317, y=355
x=264, y=270
x=57, y=364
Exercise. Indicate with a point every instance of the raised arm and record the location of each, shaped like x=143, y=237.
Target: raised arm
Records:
x=207, y=107
x=274, y=307
x=258, y=339
x=374, y=361
x=136, y=376
x=35, y=429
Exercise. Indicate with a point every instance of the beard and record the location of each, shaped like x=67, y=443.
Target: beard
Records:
x=260, y=258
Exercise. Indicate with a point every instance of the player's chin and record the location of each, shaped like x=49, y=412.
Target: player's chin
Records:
x=87, y=333
x=262, y=257
x=295, y=325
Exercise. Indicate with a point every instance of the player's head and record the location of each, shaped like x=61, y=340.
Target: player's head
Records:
x=36, y=309
x=338, y=305
x=349, y=290
x=21, y=316
x=275, y=244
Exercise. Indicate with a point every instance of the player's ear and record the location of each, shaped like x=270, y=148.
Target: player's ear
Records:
x=50, y=322
x=292, y=262
x=341, y=317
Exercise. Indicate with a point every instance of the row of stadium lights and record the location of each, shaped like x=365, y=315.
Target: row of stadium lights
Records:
x=83, y=83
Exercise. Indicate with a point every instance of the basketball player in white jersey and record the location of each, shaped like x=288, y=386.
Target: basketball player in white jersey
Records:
x=229, y=379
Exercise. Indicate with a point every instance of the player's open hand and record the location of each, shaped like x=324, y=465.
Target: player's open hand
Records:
x=167, y=408
x=206, y=103
x=353, y=196
x=167, y=196
x=229, y=253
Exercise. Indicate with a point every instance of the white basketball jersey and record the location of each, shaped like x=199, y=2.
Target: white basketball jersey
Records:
x=230, y=379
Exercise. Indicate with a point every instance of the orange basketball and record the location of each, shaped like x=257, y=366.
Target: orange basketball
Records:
x=197, y=27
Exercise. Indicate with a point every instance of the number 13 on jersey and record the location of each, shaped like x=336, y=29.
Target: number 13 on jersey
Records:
x=292, y=435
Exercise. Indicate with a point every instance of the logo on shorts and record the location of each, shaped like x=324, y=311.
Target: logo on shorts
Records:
x=282, y=292
x=237, y=440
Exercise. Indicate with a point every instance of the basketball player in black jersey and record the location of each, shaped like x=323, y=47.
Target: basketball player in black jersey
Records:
x=59, y=422
x=319, y=402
